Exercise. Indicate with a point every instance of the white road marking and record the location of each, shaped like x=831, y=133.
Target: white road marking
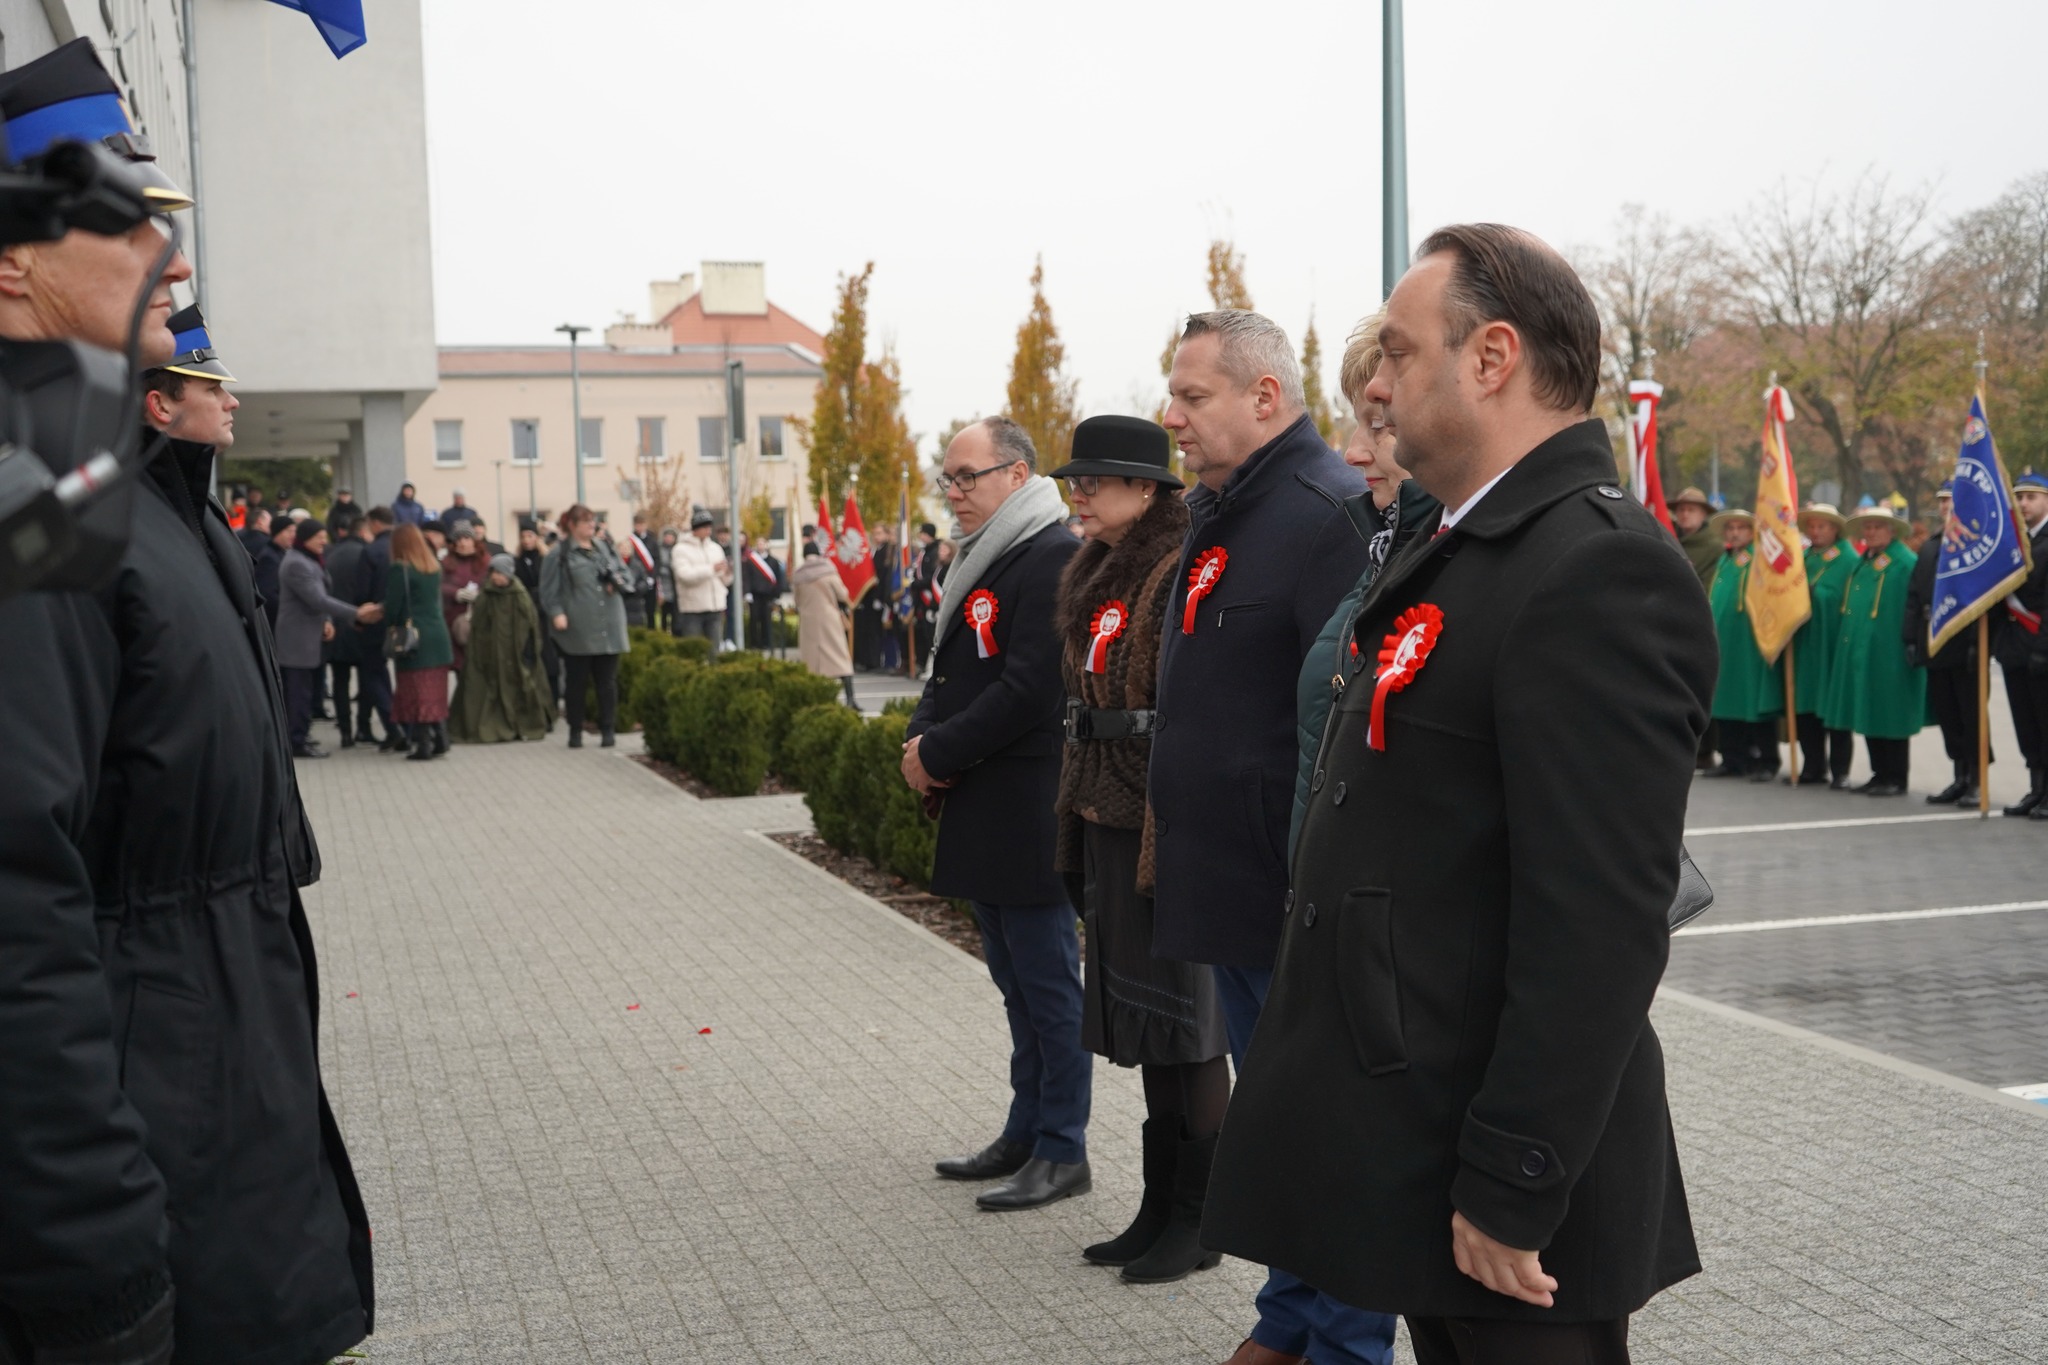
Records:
x=2037, y=1093
x=1713, y=830
x=1879, y=917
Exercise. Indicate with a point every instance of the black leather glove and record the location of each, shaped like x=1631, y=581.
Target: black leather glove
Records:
x=148, y=1342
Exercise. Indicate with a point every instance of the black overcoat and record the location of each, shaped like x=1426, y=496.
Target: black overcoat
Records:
x=993, y=726
x=162, y=1120
x=1223, y=755
x=1459, y=1016
x=2013, y=646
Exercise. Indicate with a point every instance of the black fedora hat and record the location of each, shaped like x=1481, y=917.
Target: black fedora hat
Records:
x=1128, y=447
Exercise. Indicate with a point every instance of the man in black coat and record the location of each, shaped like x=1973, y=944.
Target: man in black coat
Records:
x=2021, y=648
x=984, y=750
x=372, y=571
x=172, y=1182
x=344, y=652
x=764, y=581
x=1454, y=1108
x=1951, y=670
x=1270, y=552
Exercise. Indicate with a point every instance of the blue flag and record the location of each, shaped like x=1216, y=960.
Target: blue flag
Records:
x=340, y=22
x=1983, y=556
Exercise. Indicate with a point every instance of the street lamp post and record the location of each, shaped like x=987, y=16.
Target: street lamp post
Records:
x=576, y=400
x=1393, y=149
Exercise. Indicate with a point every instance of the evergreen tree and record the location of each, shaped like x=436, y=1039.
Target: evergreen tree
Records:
x=1042, y=399
x=1320, y=410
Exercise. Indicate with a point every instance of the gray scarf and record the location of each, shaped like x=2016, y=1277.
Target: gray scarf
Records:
x=1023, y=515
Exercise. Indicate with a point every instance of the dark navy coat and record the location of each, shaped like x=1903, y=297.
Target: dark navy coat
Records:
x=993, y=726
x=1459, y=1018
x=1223, y=753
x=162, y=1122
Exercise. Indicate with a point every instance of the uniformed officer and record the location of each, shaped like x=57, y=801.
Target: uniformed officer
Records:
x=1873, y=688
x=1825, y=754
x=1689, y=513
x=2022, y=649
x=1951, y=670
x=1749, y=695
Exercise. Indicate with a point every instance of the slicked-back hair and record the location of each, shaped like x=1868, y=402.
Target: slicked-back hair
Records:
x=1251, y=346
x=1012, y=442
x=1503, y=274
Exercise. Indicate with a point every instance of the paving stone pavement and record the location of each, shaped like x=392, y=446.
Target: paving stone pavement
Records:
x=555, y=1176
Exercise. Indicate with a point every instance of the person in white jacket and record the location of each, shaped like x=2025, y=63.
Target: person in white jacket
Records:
x=702, y=578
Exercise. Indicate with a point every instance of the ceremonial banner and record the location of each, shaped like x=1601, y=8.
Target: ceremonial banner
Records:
x=825, y=523
x=850, y=553
x=1983, y=554
x=1776, y=594
x=1648, y=481
x=340, y=22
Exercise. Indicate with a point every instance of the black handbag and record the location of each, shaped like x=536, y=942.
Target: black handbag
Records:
x=1694, y=896
x=403, y=638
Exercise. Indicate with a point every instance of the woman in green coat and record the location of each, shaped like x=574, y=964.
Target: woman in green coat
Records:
x=1873, y=689
x=580, y=585
x=412, y=596
x=1749, y=695
x=500, y=692
x=1825, y=753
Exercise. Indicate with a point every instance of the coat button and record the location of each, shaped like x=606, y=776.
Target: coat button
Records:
x=1338, y=799
x=940, y=680
x=1534, y=1164
x=1316, y=782
x=1159, y=824
x=1308, y=916
x=1287, y=906
x=1609, y=491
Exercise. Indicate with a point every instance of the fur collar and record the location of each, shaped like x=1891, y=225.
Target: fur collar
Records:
x=1098, y=572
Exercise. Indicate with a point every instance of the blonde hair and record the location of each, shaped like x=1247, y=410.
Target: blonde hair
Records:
x=1361, y=357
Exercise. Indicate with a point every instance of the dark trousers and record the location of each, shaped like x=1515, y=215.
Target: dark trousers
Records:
x=1485, y=1341
x=584, y=669
x=2027, y=694
x=301, y=688
x=1822, y=750
x=1750, y=746
x=922, y=631
x=1889, y=758
x=376, y=687
x=702, y=625
x=1710, y=744
x=665, y=615
x=338, y=672
x=1034, y=957
x=1296, y=1318
x=761, y=625
x=1953, y=694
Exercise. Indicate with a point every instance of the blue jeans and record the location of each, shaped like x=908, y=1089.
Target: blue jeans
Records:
x=1034, y=957
x=1296, y=1318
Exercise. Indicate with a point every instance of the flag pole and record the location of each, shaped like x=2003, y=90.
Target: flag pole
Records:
x=1983, y=650
x=1791, y=720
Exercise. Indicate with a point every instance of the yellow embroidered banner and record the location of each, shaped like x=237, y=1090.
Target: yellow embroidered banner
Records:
x=1777, y=595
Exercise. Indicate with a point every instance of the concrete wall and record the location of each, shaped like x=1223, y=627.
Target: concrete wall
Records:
x=487, y=406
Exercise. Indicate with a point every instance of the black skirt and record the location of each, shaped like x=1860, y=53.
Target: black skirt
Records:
x=1139, y=1010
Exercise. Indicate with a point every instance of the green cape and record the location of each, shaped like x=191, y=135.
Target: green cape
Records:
x=1748, y=688
x=1872, y=689
x=501, y=693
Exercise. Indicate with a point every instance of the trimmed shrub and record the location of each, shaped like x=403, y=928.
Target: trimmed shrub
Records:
x=657, y=694
x=904, y=840
x=696, y=648
x=816, y=736
x=720, y=718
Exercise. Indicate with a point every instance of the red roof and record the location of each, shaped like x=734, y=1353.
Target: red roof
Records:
x=692, y=326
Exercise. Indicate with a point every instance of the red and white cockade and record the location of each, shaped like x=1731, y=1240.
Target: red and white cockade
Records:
x=981, y=614
x=1202, y=578
x=1110, y=620
x=1406, y=650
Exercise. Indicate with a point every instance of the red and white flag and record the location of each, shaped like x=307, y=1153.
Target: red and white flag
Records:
x=851, y=554
x=1642, y=445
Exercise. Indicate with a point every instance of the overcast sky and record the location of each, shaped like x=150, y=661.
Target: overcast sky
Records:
x=580, y=151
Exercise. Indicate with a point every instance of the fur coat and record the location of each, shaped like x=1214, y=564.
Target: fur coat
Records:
x=1103, y=780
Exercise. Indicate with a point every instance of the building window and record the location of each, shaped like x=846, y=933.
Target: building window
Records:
x=653, y=440
x=525, y=440
x=771, y=438
x=778, y=523
x=447, y=443
x=593, y=440
x=710, y=438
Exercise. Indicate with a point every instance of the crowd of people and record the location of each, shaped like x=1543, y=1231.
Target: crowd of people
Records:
x=1861, y=665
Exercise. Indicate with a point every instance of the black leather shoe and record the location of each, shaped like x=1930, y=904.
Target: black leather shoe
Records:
x=1811, y=778
x=1953, y=793
x=1725, y=770
x=394, y=741
x=1000, y=1158
x=308, y=750
x=1764, y=775
x=1040, y=1183
x=2037, y=789
x=1876, y=788
x=348, y=739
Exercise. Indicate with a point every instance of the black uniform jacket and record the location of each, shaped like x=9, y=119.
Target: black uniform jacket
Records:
x=2013, y=646
x=1459, y=1017
x=993, y=726
x=1961, y=649
x=162, y=1121
x=1224, y=752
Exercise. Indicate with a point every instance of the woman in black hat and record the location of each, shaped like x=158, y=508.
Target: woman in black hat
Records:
x=1139, y=1010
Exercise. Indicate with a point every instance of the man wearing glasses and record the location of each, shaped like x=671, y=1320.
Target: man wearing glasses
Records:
x=984, y=752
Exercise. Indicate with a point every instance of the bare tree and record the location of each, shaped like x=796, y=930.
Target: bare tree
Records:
x=1845, y=294
x=1997, y=263
x=1652, y=287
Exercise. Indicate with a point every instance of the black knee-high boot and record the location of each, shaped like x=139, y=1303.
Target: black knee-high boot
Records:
x=1155, y=1206
x=422, y=737
x=1178, y=1250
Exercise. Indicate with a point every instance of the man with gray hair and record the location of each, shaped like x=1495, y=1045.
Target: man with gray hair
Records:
x=1270, y=553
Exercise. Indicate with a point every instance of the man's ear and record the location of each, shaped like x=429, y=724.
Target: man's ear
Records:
x=155, y=408
x=1265, y=396
x=1499, y=353
x=16, y=265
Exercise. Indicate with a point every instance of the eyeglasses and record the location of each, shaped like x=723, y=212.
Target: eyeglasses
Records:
x=964, y=480
x=1086, y=484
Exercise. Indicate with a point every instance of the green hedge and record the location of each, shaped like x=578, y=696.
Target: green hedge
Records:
x=853, y=783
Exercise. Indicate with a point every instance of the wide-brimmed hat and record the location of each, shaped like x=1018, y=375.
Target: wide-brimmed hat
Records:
x=1719, y=521
x=1692, y=495
x=1900, y=526
x=1127, y=447
x=1826, y=512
